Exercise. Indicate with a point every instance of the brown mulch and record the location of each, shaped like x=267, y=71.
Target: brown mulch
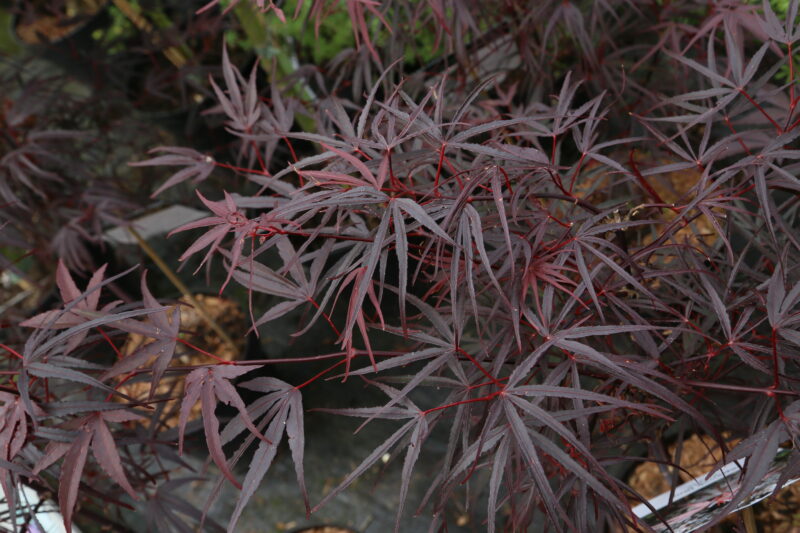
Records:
x=197, y=332
x=780, y=514
x=49, y=27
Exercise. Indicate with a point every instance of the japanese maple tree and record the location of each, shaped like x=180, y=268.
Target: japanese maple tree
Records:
x=576, y=228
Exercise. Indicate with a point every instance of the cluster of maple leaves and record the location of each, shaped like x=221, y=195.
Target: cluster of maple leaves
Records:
x=550, y=316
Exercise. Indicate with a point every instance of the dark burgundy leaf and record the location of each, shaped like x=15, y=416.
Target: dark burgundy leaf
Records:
x=70, y=478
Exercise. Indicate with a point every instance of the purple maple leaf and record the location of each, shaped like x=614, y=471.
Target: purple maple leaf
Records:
x=227, y=219
x=81, y=312
x=210, y=385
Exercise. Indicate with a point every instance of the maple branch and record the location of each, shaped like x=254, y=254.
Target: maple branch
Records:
x=184, y=290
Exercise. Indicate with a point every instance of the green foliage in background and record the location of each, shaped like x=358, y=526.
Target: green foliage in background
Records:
x=781, y=7
x=267, y=36
x=117, y=31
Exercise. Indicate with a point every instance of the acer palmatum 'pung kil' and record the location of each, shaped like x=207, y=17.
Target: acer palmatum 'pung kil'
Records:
x=577, y=226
